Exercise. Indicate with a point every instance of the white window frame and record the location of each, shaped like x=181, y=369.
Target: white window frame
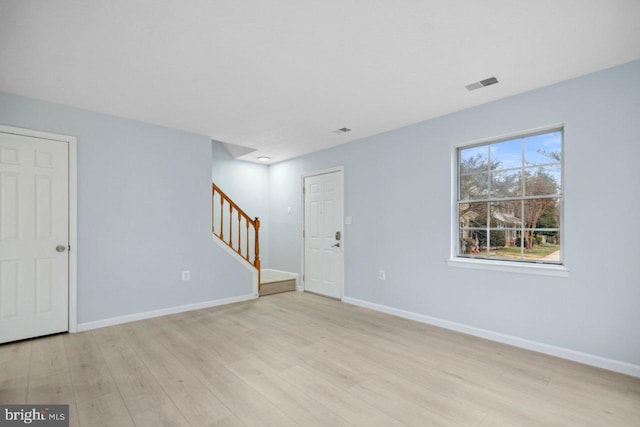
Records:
x=559, y=270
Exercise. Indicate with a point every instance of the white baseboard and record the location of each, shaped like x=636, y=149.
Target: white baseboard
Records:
x=161, y=312
x=564, y=353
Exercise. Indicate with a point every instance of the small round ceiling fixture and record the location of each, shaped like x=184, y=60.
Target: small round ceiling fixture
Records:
x=264, y=158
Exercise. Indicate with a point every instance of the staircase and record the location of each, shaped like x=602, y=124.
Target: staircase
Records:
x=231, y=225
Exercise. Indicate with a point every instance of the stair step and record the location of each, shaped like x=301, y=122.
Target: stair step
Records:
x=277, y=287
x=273, y=282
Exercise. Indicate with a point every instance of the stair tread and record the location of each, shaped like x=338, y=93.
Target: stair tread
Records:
x=267, y=276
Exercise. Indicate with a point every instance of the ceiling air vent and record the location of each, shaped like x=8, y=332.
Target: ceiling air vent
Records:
x=342, y=130
x=482, y=83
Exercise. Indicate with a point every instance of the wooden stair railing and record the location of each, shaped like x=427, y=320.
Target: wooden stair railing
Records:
x=229, y=216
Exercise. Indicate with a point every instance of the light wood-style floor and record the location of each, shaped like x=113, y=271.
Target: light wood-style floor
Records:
x=299, y=359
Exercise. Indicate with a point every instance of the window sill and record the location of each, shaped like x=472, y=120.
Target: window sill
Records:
x=511, y=267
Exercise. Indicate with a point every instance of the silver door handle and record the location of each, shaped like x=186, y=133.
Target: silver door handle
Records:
x=336, y=245
x=61, y=248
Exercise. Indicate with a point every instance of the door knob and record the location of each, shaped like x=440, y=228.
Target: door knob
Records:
x=61, y=248
x=337, y=245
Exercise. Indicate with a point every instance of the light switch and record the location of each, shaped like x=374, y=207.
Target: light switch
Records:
x=347, y=219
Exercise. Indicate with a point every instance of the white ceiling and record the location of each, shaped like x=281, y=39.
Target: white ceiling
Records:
x=280, y=75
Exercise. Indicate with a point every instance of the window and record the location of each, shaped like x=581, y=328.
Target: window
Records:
x=509, y=199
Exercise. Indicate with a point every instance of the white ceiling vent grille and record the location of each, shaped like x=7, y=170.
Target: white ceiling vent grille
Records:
x=342, y=130
x=482, y=83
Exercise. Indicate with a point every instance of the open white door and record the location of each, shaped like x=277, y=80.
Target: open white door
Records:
x=34, y=236
x=323, y=196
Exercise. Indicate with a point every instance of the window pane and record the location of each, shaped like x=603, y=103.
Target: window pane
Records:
x=550, y=217
x=473, y=215
x=545, y=148
x=469, y=243
x=474, y=159
x=542, y=246
x=506, y=154
x=506, y=226
x=542, y=181
x=542, y=211
x=498, y=238
x=506, y=184
x=503, y=244
x=506, y=214
x=473, y=223
x=474, y=186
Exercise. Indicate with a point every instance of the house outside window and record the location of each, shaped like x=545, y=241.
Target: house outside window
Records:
x=509, y=199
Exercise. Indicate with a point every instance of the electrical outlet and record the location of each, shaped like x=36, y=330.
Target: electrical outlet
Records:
x=382, y=275
x=186, y=275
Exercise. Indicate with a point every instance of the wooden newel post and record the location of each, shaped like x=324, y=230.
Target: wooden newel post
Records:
x=256, y=260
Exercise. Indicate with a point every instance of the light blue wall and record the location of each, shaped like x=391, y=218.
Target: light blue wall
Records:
x=143, y=212
x=248, y=185
x=397, y=189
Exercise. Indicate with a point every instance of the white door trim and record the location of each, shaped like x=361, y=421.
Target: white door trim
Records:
x=302, y=178
x=73, y=211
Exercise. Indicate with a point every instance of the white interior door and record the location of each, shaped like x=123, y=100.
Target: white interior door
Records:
x=323, y=234
x=34, y=237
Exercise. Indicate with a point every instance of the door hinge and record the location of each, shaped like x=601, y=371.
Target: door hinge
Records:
x=304, y=190
x=303, y=235
x=69, y=247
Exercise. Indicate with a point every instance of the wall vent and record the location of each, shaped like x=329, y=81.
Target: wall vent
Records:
x=342, y=130
x=482, y=83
